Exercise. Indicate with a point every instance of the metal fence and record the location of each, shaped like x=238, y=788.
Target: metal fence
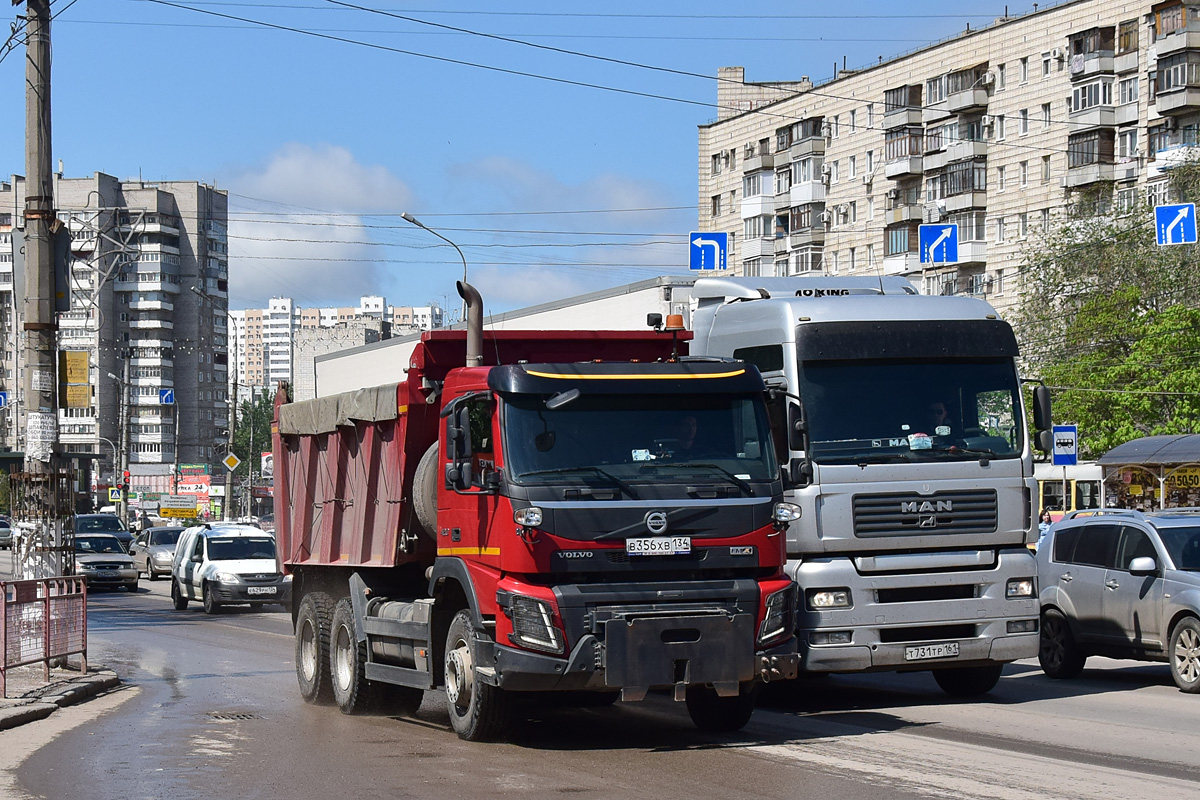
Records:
x=40, y=621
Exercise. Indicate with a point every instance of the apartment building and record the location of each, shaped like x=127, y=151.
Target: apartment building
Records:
x=996, y=130
x=149, y=279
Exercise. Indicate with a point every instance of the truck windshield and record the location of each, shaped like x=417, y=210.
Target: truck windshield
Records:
x=624, y=439
x=894, y=410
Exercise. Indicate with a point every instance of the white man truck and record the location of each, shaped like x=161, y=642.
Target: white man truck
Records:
x=911, y=549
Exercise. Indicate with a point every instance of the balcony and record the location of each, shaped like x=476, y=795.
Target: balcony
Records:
x=804, y=237
x=972, y=252
x=151, y=305
x=1171, y=157
x=1126, y=62
x=751, y=248
x=903, y=167
x=1088, y=65
x=961, y=149
x=151, y=324
x=758, y=162
x=155, y=285
x=974, y=99
x=1088, y=174
x=1127, y=170
x=901, y=117
x=902, y=264
x=1180, y=100
x=1177, y=42
x=1094, y=117
x=934, y=112
x=813, y=145
x=1126, y=114
x=965, y=200
x=751, y=207
x=903, y=213
x=934, y=160
x=807, y=192
x=783, y=201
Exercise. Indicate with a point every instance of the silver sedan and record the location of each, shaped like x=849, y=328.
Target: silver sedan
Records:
x=153, y=550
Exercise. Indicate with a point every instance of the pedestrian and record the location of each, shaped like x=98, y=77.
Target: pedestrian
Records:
x=1044, y=523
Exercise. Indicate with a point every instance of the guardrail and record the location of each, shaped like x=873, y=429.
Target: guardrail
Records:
x=40, y=621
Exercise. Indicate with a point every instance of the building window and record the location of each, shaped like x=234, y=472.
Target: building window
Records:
x=1045, y=168
x=1178, y=71
x=1156, y=193
x=1000, y=230
x=716, y=205
x=1046, y=220
x=1092, y=147
x=870, y=115
x=1024, y=173
x=870, y=208
x=853, y=120
x=972, y=225
x=1168, y=20
x=870, y=162
x=807, y=260
x=1090, y=95
x=853, y=213
x=1023, y=122
x=1000, y=179
x=935, y=90
x=833, y=172
x=1023, y=224
x=853, y=167
x=1127, y=90
x=1023, y=69
x=752, y=185
x=1127, y=144
x=1096, y=40
x=1046, y=57
x=901, y=239
x=1001, y=76
x=802, y=217
x=1127, y=37
x=1156, y=140
x=834, y=125
x=716, y=164
x=902, y=143
x=870, y=256
x=783, y=139
x=1126, y=199
x=757, y=227
x=853, y=258
x=999, y=126
x=783, y=180
x=752, y=267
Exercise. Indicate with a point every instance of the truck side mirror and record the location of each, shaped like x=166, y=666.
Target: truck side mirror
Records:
x=797, y=427
x=1041, y=408
x=799, y=472
x=1045, y=441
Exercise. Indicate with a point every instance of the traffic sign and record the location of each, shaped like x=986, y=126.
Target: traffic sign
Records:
x=708, y=250
x=1066, y=444
x=114, y=495
x=166, y=397
x=1175, y=224
x=231, y=462
x=3, y=399
x=938, y=243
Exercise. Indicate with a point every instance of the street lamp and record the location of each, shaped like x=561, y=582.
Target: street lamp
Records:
x=414, y=221
x=123, y=432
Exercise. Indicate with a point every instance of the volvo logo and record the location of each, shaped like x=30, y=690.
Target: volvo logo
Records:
x=575, y=553
x=656, y=522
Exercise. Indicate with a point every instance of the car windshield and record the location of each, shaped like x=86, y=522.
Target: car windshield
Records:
x=624, y=439
x=165, y=536
x=906, y=410
x=231, y=548
x=98, y=544
x=98, y=524
x=1183, y=545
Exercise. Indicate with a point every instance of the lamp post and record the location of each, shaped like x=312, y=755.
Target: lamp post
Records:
x=123, y=432
x=114, y=457
x=414, y=221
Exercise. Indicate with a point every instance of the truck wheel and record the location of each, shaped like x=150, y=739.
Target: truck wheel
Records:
x=1058, y=654
x=968, y=681
x=711, y=712
x=211, y=606
x=1185, y=655
x=177, y=599
x=478, y=712
x=312, y=647
x=352, y=692
x=425, y=490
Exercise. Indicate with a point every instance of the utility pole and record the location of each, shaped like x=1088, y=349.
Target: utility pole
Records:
x=39, y=384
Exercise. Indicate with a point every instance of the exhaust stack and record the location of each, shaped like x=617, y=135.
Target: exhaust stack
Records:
x=474, y=322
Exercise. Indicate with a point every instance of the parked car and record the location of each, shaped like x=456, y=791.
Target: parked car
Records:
x=1122, y=584
x=227, y=564
x=102, y=561
x=153, y=550
x=6, y=533
x=104, y=523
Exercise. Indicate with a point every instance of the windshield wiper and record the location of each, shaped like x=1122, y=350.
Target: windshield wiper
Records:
x=597, y=470
x=739, y=482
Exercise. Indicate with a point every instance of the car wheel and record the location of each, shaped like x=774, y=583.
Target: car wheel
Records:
x=1058, y=654
x=1185, y=655
x=132, y=587
x=968, y=681
x=177, y=599
x=211, y=606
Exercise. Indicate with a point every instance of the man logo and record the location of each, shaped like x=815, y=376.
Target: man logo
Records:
x=656, y=522
x=929, y=521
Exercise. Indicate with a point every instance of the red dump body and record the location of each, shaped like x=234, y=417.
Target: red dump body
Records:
x=344, y=465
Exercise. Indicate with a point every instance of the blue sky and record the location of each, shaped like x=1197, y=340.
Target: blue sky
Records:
x=323, y=131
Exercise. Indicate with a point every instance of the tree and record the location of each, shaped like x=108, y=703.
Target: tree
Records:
x=252, y=437
x=1110, y=321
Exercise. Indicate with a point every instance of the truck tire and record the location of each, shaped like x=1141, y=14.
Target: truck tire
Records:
x=425, y=491
x=715, y=714
x=479, y=712
x=968, y=681
x=352, y=692
x=178, y=600
x=1058, y=653
x=1184, y=652
x=313, y=620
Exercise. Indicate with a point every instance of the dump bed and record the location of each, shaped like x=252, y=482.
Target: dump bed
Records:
x=344, y=464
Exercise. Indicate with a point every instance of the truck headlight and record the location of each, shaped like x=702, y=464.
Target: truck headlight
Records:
x=530, y=517
x=533, y=624
x=818, y=599
x=786, y=512
x=778, y=617
x=1019, y=587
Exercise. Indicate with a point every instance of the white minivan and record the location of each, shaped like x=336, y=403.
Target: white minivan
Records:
x=228, y=564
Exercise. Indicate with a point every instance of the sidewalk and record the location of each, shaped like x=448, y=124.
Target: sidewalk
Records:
x=31, y=698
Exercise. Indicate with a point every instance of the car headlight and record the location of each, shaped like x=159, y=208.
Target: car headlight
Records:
x=533, y=624
x=287, y=578
x=1019, y=587
x=819, y=599
x=226, y=577
x=164, y=558
x=778, y=617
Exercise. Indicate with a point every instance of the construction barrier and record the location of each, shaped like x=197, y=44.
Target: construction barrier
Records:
x=41, y=621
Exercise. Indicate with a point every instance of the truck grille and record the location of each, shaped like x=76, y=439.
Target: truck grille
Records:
x=910, y=514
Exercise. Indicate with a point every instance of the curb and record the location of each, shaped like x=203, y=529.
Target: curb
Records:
x=42, y=702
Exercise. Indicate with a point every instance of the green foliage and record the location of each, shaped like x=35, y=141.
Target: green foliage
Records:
x=252, y=437
x=1111, y=322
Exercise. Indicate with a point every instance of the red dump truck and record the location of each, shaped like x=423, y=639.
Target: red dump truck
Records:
x=522, y=515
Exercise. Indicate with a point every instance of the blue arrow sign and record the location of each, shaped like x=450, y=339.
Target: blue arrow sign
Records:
x=1066, y=445
x=166, y=397
x=3, y=399
x=938, y=243
x=1175, y=224
x=707, y=250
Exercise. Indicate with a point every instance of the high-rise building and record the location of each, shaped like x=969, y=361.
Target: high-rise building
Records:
x=998, y=130
x=149, y=275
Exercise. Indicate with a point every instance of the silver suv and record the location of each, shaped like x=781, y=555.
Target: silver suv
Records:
x=1122, y=584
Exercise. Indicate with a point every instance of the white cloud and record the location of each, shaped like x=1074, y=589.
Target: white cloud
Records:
x=296, y=228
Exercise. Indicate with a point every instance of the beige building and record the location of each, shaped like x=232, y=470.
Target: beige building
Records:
x=995, y=130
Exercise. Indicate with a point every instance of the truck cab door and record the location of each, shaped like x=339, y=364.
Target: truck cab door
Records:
x=465, y=503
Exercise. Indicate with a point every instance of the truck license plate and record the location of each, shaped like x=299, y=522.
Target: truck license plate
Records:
x=659, y=546
x=260, y=590
x=924, y=651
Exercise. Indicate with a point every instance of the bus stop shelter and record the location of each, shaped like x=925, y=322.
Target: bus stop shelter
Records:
x=1154, y=472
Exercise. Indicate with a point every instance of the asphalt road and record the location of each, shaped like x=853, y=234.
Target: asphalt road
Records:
x=210, y=709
